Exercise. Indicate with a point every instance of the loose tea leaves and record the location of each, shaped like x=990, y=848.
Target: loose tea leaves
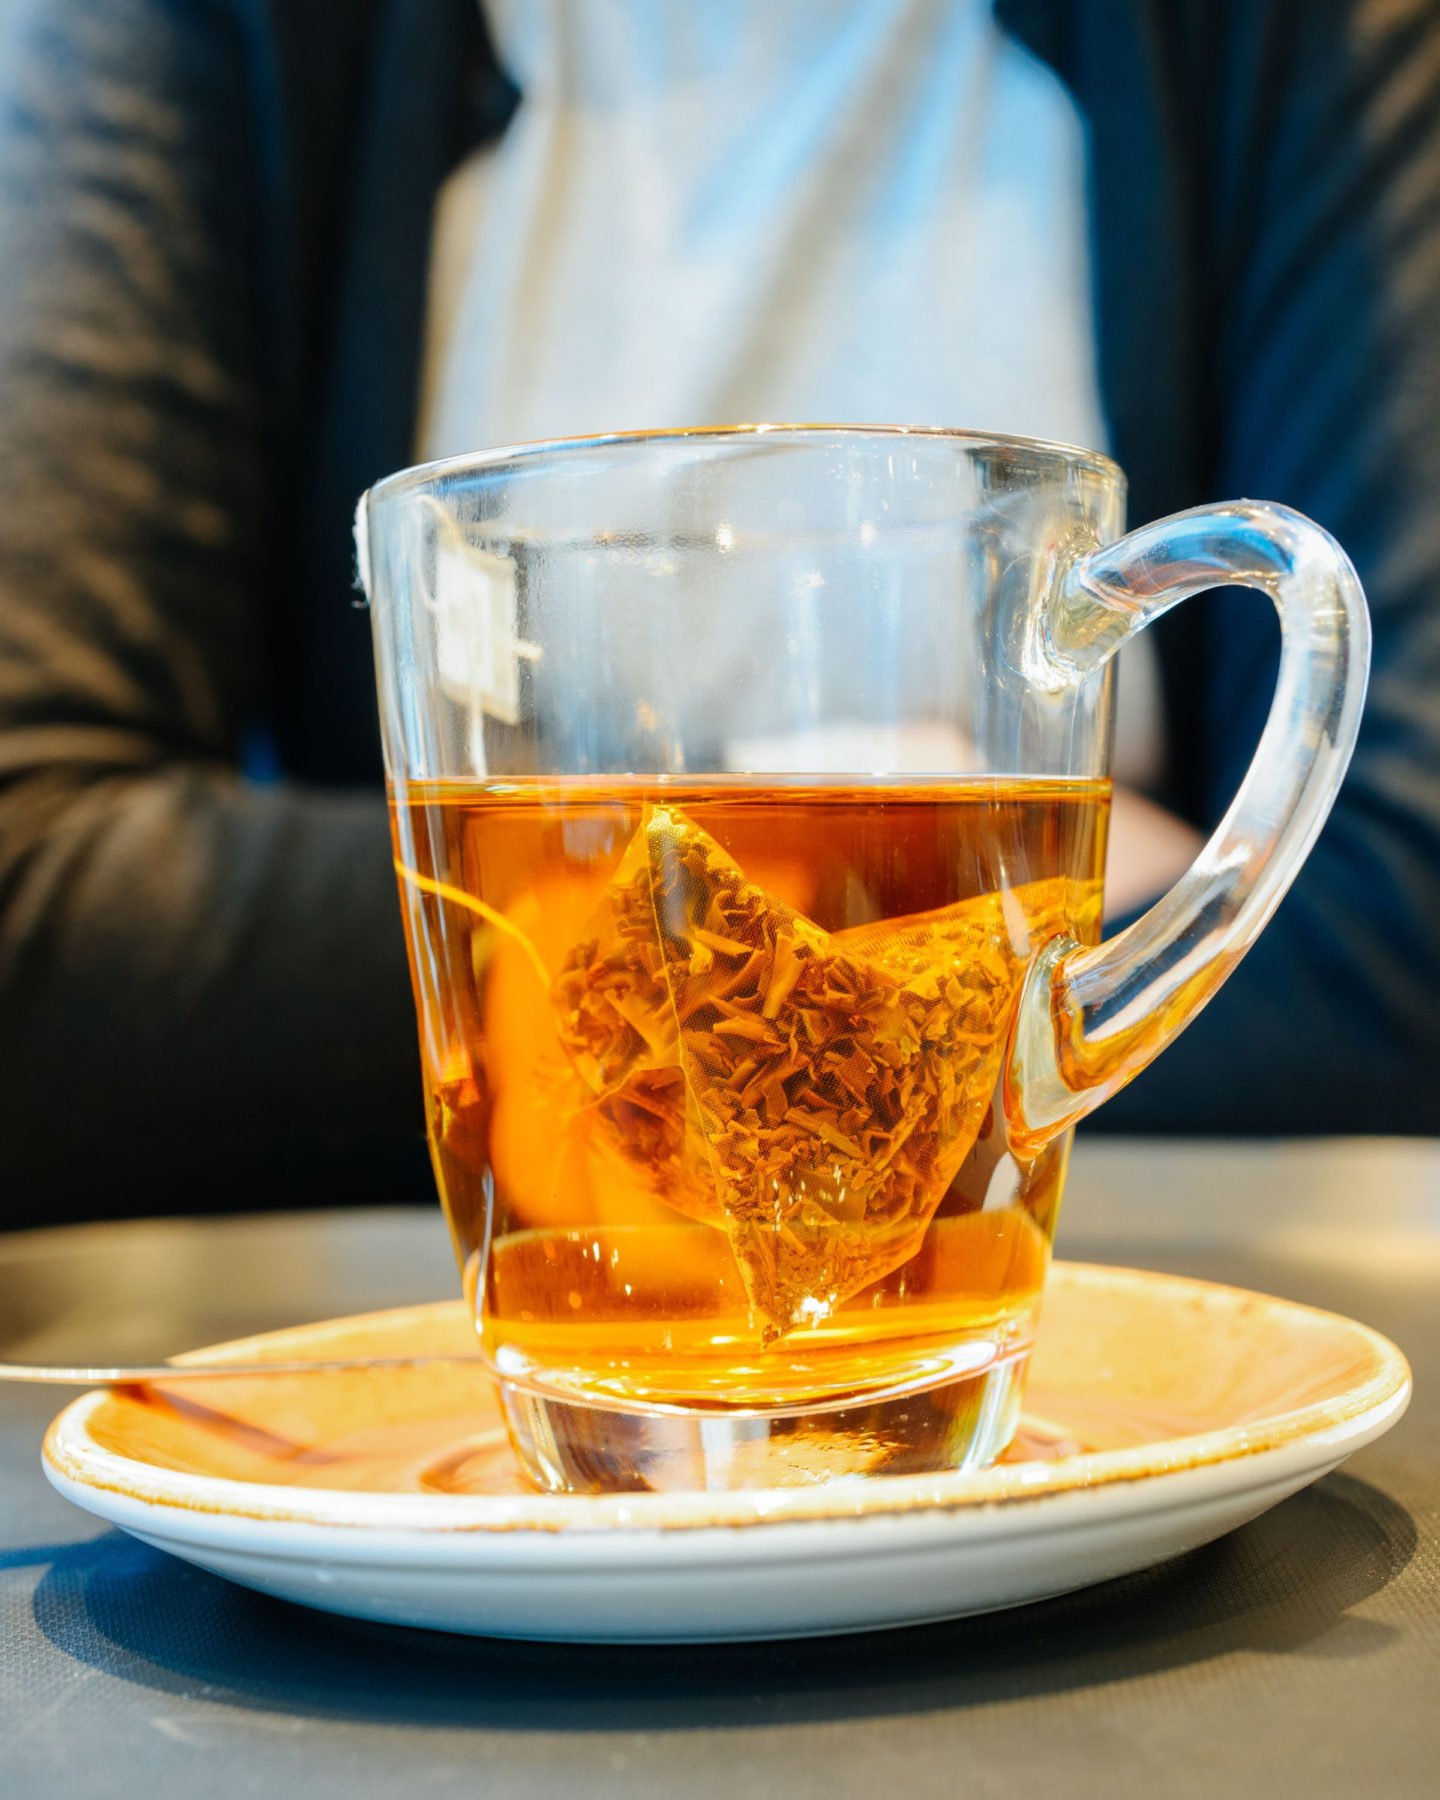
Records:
x=811, y=1093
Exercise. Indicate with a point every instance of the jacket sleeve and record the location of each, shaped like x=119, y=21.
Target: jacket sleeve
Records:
x=203, y=996
x=1319, y=201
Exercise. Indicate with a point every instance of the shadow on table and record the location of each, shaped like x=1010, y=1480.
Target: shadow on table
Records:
x=1282, y=1584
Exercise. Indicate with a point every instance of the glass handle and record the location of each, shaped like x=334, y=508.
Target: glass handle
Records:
x=1091, y=1018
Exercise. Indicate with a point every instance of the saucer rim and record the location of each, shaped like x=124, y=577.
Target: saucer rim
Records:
x=1280, y=1448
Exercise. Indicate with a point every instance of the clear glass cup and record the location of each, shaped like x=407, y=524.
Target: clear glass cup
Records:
x=750, y=791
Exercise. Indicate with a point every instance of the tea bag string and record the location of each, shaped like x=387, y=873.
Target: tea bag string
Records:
x=443, y=890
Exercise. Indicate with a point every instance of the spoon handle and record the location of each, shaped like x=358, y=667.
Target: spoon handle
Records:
x=127, y=1375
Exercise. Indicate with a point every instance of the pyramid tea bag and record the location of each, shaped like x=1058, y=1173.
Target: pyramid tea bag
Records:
x=810, y=1093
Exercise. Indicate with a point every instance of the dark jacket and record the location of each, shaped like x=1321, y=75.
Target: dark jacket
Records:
x=214, y=225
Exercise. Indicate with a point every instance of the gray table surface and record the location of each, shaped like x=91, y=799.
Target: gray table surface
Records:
x=1299, y=1655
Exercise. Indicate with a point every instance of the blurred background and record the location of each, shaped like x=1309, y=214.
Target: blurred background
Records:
x=252, y=258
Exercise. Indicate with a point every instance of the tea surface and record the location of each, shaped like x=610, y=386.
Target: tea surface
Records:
x=714, y=1071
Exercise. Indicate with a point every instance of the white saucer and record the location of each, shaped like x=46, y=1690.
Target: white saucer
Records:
x=1161, y=1413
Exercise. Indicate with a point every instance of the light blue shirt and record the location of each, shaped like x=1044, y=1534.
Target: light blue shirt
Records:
x=713, y=211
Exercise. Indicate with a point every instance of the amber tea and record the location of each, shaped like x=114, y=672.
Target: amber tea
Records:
x=714, y=1074
x=750, y=1098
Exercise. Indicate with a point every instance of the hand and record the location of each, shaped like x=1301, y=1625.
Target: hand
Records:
x=1149, y=850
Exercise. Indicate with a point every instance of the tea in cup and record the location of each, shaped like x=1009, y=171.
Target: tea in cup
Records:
x=749, y=793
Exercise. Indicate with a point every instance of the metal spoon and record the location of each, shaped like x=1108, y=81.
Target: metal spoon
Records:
x=131, y=1374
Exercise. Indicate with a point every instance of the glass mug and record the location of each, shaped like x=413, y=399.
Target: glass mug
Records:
x=749, y=794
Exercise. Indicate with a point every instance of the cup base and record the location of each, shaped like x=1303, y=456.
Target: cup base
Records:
x=570, y=1446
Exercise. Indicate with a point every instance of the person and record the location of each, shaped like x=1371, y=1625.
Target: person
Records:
x=218, y=226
